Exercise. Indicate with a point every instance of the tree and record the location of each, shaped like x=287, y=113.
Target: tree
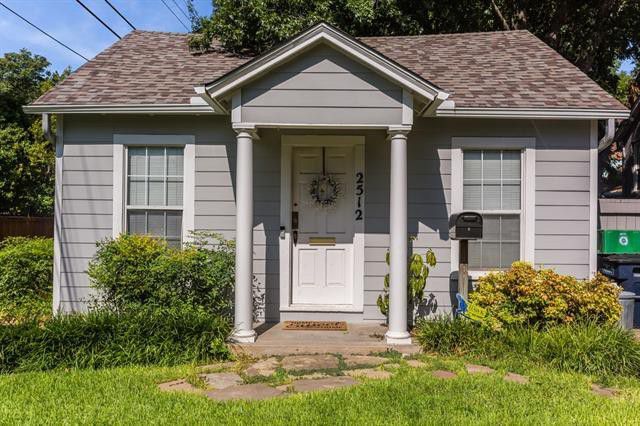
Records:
x=592, y=34
x=23, y=77
x=26, y=156
x=27, y=165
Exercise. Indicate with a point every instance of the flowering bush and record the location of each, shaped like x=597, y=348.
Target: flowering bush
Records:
x=524, y=295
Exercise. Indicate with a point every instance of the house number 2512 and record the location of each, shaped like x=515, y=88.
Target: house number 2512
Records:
x=359, y=193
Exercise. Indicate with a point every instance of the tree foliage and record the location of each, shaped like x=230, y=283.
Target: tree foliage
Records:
x=592, y=34
x=26, y=156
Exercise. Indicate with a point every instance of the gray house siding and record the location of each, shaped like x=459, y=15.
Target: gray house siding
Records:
x=322, y=86
x=562, y=196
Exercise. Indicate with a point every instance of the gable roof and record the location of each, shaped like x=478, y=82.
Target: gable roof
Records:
x=324, y=33
x=496, y=70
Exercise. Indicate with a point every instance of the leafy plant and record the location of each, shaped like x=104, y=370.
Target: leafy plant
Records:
x=98, y=339
x=26, y=276
x=525, y=295
x=587, y=347
x=417, y=280
x=135, y=270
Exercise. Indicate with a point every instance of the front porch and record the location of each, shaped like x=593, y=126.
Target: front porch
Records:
x=359, y=339
x=313, y=99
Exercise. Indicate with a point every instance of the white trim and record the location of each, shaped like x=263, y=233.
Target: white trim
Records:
x=324, y=33
x=120, y=141
x=189, y=192
x=57, y=214
x=532, y=113
x=311, y=126
x=528, y=179
x=407, y=108
x=121, y=109
x=593, y=198
x=236, y=107
x=285, y=250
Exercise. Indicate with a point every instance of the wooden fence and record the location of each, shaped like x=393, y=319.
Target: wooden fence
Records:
x=21, y=226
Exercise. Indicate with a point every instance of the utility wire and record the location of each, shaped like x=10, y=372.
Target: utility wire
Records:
x=42, y=31
x=120, y=14
x=98, y=18
x=180, y=9
x=174, y=14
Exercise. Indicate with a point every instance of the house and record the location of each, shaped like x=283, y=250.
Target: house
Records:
x=322, y=154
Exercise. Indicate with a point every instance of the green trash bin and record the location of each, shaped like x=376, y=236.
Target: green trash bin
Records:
x=615, y=241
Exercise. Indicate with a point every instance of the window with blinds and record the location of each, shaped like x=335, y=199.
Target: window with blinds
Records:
x=492, y=187
x=154, y=192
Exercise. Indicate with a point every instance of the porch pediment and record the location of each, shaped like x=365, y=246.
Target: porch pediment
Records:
x=322, y=77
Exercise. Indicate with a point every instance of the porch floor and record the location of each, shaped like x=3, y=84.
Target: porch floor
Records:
x=360, y=338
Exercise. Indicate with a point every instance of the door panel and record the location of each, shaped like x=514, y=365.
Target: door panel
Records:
x=323, y=273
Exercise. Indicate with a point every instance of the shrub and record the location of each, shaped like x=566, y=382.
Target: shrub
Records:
x=26, y=277
x=524, y=295
x=108, y=339
x=586, y=347
x=135, y=270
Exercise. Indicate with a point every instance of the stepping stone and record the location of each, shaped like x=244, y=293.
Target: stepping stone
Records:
x=516, y=378
x=414, y=363
x=221, y=380
x=265, y=367
x=323, y=384
x=251, y=392
x=602, y=391
x=369, y=373
x=479, y=369
x=443, y=374
x=309, y=362
x=363, y=360
x=180, y=385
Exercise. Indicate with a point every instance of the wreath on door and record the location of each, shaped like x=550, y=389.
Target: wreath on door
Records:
x=325, y=190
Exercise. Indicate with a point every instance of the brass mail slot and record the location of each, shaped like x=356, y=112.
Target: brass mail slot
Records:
x=322, y=241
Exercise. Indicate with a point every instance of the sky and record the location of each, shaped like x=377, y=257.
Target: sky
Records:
x=67, y=21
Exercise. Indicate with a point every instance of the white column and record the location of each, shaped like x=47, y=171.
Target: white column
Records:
x=398, y=333
x=243, y=318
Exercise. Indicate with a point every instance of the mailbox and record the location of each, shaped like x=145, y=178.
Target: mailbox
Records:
x=466, y=226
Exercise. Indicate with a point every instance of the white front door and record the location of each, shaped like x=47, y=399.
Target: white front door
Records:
x=323, y=252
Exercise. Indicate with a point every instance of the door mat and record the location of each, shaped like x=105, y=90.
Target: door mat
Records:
x=315, y=325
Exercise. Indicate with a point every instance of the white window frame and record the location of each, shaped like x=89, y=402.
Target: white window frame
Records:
x=120, y=144
x=527, y=189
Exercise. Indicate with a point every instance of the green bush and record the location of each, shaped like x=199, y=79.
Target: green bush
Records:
x=26, y=277
x=108, y=339
x=524, y=295
x=586, y=347
x=135, y=270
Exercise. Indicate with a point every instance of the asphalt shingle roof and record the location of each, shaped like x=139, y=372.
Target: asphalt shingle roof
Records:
x=509, y=69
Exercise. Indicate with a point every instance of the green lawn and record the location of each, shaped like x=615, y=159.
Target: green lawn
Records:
x=130, y=396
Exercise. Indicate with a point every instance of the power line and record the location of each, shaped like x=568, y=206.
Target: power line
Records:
x=42, y=31
x=98, y=18
x=180, y=9
x=120, y=14
x=173, y=13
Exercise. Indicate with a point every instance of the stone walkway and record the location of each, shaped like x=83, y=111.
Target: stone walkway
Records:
x=276, y=377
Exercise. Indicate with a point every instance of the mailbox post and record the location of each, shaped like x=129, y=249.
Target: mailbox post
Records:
x=464, y=227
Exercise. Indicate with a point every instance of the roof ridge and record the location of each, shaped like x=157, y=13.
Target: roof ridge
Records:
x=448, y=34
x=159, y=32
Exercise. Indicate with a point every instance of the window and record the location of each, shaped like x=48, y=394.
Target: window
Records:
x=154, y=203
x=492, y=186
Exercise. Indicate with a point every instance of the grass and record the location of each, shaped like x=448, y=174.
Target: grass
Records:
x=601, y=350
x=130, y=396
